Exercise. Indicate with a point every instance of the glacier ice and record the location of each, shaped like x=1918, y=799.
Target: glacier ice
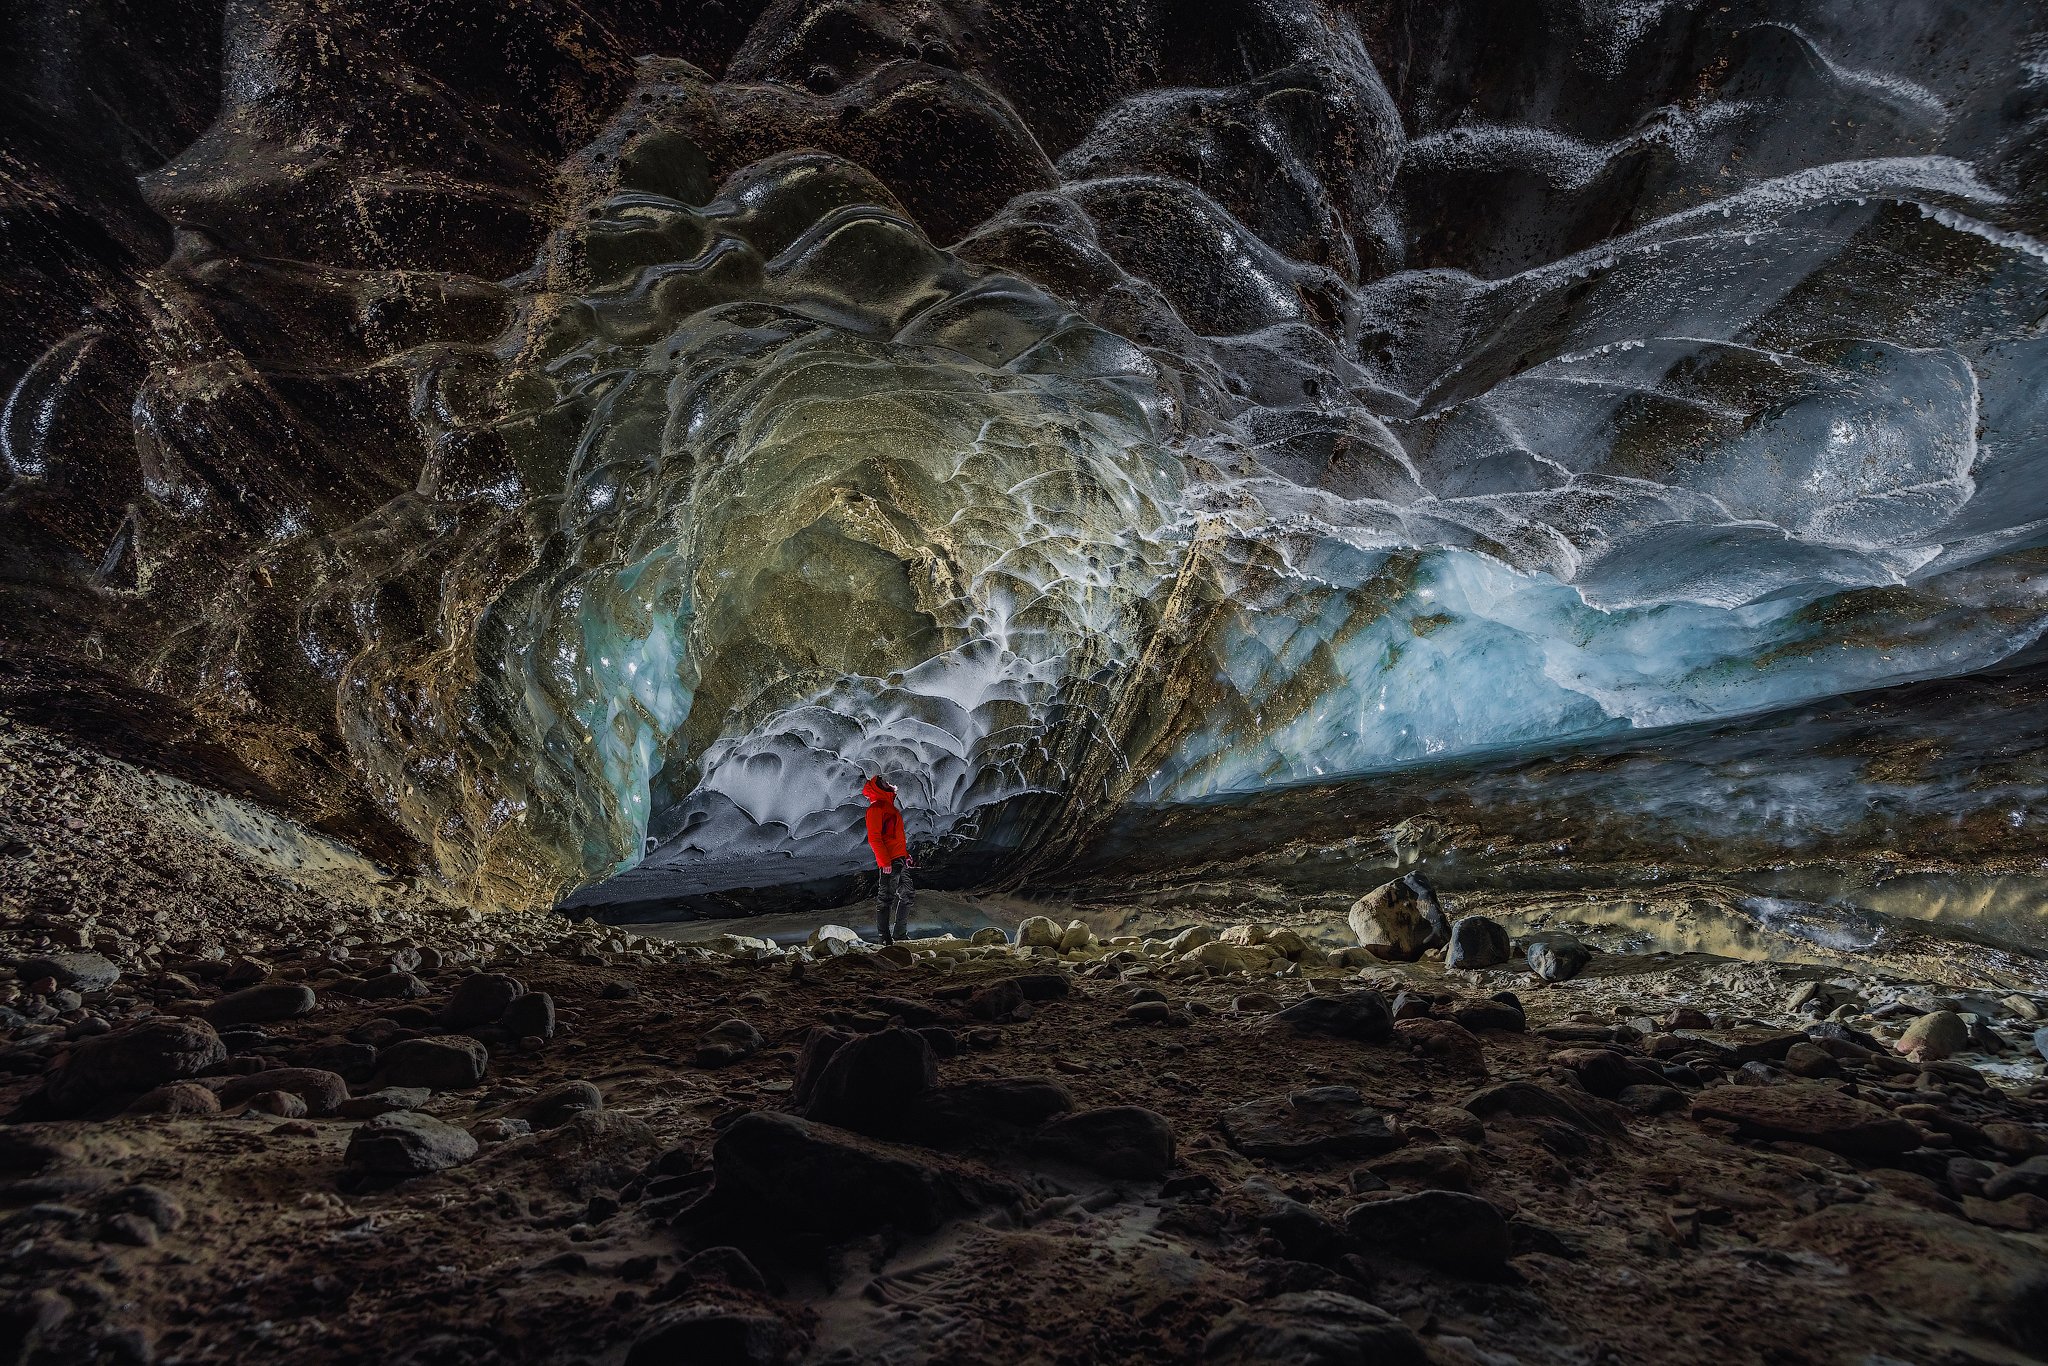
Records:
x=1065, y=424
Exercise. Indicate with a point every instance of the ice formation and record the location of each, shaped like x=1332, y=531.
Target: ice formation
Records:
x=1058, y=415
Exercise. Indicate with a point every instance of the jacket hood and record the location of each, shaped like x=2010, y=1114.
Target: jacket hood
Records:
x=875, y=792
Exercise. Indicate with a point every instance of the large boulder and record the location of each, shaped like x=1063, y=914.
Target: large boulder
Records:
x=1477, y=942
x=1400, y=921
x=133, y=1061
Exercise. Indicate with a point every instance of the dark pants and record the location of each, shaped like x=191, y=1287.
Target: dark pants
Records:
x=892, y=899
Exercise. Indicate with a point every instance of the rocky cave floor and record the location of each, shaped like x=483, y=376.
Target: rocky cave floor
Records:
x=265, y=1104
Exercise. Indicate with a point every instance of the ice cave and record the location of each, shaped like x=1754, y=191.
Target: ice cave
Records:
x=1024, y=681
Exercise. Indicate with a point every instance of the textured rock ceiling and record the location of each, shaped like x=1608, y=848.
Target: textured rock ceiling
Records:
x=522, y=435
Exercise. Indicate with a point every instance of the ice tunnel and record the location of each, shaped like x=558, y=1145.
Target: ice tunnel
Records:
x=564, y=458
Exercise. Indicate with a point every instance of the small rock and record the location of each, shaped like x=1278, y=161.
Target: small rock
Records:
x=1477, y=942
x=1435, y=1166
x=1558, y=957
x=503, y=1129
x=1400, y=920
x=532, y=1016
x=1934, y=1036
x=1038, y=932
x=1444, y=1041
x=1811, y=1060
x=481, y=998
x=728, y=1042
x=321, y=1092
x=1118, y=1140
x=453, y=1062
x=133, y=1060
x=868, y=1083
x=1651, y=1099
x=1312, y=1328
x=392, y=986
x=715, y=1335
x=554, y=1108
x=1076, y=937
x=1323, y=1122
x=179, y=1098
x=283, y=1104
x=1158, y=1012
x=257, y=1005
x=1363, y=1015
x=384, y=1102
x=1496, y=1014
x=1605, y=1072
x=74, y=971
x=1810, y=1112
x=2028, y=1178
x=1453, y=1232
x=406, y=1143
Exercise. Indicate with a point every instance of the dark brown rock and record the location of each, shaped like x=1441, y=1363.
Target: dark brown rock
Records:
x=1809, y=1112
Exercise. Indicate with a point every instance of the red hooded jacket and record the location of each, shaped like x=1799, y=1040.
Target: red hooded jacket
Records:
x=885, y=824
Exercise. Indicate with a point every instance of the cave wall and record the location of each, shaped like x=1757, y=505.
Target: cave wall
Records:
x=528, y=439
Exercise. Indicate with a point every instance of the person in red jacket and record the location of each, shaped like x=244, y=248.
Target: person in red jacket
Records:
x=892, y=858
